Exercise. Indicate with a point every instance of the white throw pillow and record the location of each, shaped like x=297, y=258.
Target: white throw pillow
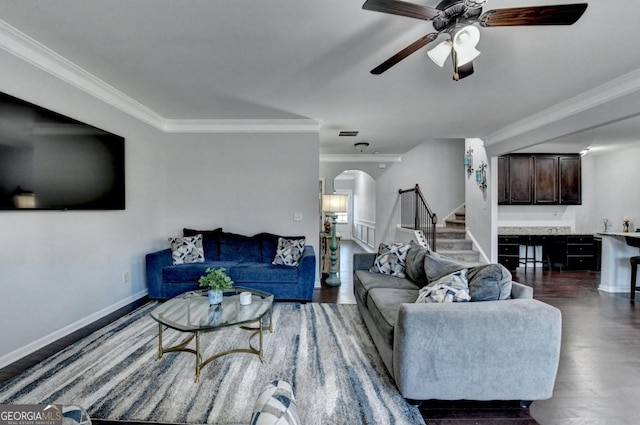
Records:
x=289, y=251
x=391, y=259
x=186, y=250
x=450, y=288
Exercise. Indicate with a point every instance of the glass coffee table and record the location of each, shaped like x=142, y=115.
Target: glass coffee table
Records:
x=191, y=313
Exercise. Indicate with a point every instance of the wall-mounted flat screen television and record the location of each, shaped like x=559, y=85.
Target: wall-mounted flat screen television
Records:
x=52, y=162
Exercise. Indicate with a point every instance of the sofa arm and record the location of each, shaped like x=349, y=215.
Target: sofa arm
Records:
x=363, y=260
x=155, y=262
x=491, y=350
x=518, y=290
x=307, y=273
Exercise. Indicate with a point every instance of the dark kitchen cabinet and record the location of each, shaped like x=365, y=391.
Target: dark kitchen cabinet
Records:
x=539, y=179
x=509, y=251
x=545, y=184
x=503, y=193
x=581, y=253
x=570, y=180
x=562, y=252
x=520, y=182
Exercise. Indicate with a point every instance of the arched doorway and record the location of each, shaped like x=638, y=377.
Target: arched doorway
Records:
x=358, y=223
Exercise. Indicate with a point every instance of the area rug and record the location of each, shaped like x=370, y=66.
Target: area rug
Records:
x=323, y=350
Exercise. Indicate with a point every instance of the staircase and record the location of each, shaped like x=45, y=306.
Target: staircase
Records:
x=452, y=241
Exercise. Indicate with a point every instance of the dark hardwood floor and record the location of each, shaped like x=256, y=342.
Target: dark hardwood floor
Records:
x=598, y=379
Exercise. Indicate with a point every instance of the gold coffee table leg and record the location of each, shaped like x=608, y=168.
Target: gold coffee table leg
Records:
x=160, y=341
x=197, y=356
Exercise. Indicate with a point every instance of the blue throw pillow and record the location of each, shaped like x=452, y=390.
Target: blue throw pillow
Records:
x=210, y=241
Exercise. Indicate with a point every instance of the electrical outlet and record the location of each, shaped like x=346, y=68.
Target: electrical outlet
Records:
x=125, y=277
x=297, y=216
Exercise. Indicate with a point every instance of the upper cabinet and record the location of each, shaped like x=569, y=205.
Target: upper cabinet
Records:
x=519, y=180
x=570, y=180
x=545, y=182
x=539, y=179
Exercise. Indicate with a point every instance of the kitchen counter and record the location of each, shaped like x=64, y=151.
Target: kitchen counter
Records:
x=617, y=248
x=538, y=231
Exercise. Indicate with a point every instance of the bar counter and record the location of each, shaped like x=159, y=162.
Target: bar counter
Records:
x=617, y=248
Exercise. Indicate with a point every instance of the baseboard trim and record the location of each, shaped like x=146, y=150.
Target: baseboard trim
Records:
x=34, y=346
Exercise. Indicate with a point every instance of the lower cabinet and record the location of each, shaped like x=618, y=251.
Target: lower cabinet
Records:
x=564, y=252
x=581, y=253
x=509, y=251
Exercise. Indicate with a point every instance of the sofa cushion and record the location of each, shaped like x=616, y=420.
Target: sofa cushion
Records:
x=187, y=250
x=489, y=282
x=262, y=273
x=437, y=266
x=366, y=281
x=390, y=259
x=414, y=264
x=192, y=272
x=210, y=241
x=383, y=304
x=289, y=251
x=239, y=247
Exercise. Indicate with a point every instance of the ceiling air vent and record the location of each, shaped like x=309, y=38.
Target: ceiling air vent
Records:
x=348, y=133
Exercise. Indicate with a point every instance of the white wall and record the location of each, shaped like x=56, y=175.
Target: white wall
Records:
x=478, y=204
x=62, y=270
x=364, y=198
x=435, y=166
x=617, y=190
x=244, y=183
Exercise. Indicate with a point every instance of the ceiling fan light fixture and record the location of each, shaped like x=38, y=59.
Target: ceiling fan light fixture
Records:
x=440, y=53
x=464, y=43
x=465, y=56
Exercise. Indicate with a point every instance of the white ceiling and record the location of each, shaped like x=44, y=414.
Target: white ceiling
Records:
x=310, y=59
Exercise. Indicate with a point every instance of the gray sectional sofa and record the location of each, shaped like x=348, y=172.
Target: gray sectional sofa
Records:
x=506, y=349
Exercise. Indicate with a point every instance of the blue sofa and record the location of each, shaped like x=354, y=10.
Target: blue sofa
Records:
x=248, y=263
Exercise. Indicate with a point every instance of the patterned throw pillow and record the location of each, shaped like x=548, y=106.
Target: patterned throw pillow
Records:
x=449, y=288
x=391, y=259
x=276, y=405
x=289, y=251
x=186, y=250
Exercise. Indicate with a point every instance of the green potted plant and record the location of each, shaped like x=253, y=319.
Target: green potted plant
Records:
x=217, y=281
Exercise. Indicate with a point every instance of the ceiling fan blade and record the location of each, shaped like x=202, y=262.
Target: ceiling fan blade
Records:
x=416, y=45
x=564, y=14
x=402, y=8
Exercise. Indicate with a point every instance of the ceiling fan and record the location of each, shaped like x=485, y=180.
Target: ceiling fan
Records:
x=456, y=18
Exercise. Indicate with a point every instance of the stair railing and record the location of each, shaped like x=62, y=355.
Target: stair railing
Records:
x=416, y=214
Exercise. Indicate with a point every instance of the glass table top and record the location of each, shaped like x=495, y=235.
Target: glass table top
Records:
x=190, y=312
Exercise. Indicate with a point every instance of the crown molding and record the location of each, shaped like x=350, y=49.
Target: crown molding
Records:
x=376, y=158
x=31, y=51
x=26, y=48
x=608, y=92
x=242, y=126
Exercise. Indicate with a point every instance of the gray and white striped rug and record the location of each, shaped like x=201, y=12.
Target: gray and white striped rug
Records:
x=323, y=350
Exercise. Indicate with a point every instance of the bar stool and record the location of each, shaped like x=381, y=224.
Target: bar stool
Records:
x=530, y=242
x=635, y=261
